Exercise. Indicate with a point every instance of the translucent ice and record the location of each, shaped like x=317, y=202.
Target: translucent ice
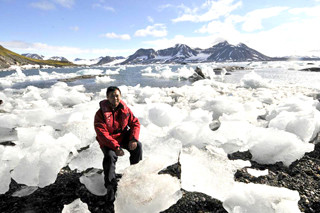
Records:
x=252, y=198
x=272, y=145
x=208, y=171
x=253, y=80
x=94, y=182
x=76, y=206
x=5, y=179
x=138, y=193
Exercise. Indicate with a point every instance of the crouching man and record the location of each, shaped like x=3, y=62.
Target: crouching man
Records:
x=116, y=128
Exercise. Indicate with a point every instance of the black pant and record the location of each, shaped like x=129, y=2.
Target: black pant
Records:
x=110, y=159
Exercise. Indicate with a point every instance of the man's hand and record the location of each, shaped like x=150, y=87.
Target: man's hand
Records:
x=119, y=152
x=132, y=145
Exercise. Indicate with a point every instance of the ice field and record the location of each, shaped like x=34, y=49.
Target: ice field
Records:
x=269, y=109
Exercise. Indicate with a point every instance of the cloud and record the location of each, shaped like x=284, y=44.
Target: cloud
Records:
x=74, y=28
x=116, y=36
x=69, y=52
x=65, y=3
x=313, y=12
x=210, y=10
x=193, y=42
x=43, y=5
x=296, y=37
x=104, y=7
x=50, y=5
x=162, y=7
x=252, y=20
x=157, y=30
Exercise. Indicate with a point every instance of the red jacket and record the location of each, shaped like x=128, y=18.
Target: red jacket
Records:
x=110, y=125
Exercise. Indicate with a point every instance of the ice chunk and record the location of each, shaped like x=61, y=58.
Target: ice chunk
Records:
x=89, y=158
x=25, y=191
x=257, y=173
x=94, y=182
x=165, y=115
x=253, y=80
x=44, y=159
x=186, y=132
x=303, y=124
x=141, y=189
x=272, y=145
x=62, y=95
x=8, y=134
x=233, y=135
x=293, y=104
x=76, y=206
x=252, y=198
x=27, y=171
x=103, y=79
x=27, y=135
x=90, y=72
x=5, y=179
x=208, y=171
x=223, y=105
x=9, y=120
x=12, y=155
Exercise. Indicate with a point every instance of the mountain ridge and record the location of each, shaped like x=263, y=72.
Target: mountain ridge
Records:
x=181, y=53
x=9, y=58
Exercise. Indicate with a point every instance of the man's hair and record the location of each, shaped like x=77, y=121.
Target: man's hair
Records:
x=112, y=89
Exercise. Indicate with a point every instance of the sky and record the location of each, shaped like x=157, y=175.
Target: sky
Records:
x=89, y=29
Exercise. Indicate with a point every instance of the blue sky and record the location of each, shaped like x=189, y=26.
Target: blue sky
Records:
x=93, y=28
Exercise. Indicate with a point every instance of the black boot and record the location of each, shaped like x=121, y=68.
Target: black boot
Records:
x=111, y=190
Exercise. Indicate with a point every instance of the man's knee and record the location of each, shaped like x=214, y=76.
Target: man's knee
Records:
x=109, y=155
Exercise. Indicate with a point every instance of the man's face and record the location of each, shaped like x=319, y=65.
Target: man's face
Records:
x=114, y=98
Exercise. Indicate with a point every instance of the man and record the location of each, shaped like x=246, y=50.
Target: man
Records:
x=116, y=128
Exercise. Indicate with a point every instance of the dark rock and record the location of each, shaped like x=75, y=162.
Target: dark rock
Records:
x=199, y=72
x=217, y=71
x=240, y=155
x=196, y=202
x=302, y=175
x=312, y=69
x=173, y=170
x=52, y=198
x=79, y=78
x=197, y=75
x=215, y=125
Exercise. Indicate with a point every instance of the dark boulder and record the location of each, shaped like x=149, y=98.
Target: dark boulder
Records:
x=311, y=69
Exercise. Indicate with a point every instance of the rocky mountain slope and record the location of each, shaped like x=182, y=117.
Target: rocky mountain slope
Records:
x=8, y=58
x=182, y=53
x=108, y=59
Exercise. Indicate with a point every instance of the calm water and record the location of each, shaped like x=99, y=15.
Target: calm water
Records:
x=131, y=76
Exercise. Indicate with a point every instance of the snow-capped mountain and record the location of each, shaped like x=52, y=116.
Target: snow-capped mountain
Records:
x=227, y=52
x=80, y=61
x=141, y=56
x=109, y=59
x=58, y=58
x=182, y=53
x=33, y=55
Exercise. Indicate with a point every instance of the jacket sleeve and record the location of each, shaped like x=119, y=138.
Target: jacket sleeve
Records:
x=134, y=125
x=103, y=136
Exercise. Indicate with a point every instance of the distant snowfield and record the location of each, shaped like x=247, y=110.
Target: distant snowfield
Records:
x=51, y=124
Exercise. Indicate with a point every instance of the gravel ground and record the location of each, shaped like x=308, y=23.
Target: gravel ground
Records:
x=303, y=176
